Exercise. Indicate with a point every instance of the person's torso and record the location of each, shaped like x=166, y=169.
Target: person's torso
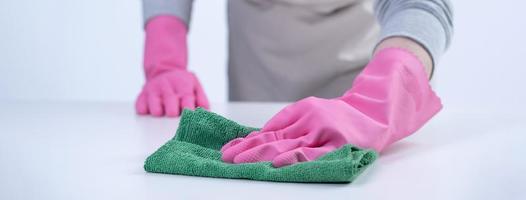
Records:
x=288, y=49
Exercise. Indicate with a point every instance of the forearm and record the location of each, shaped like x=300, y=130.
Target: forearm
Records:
x=427, y=23
x=182, y=9
x=165, y=45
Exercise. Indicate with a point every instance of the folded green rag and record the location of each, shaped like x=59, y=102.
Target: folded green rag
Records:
x=195, y=151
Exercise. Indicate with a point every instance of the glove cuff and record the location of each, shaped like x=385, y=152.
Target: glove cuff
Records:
x=394, y=92
x=165, y=45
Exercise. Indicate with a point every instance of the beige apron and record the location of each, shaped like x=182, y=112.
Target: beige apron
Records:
x=285, y=50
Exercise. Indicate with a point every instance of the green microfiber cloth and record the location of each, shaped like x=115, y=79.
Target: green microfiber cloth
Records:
x=195, y=151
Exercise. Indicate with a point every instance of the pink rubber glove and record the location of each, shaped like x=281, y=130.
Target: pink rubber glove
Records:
x=169, y=86
x=389, y=100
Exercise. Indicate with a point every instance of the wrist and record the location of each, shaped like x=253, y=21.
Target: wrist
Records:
x=159, y=71
x=409, y=45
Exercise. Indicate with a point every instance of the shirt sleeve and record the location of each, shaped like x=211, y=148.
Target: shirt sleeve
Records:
x=179, y=8
x=428, y=22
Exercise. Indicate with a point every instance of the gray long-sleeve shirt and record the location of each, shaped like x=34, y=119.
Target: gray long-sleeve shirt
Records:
x=428, y=22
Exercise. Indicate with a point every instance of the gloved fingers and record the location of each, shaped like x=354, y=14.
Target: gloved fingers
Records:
x=200, y=96
x=300, y=154
x=297, y=129
x=171, y=105
x=231, y=143
x=155, y=104
x=293, y=131
x=238, y=140
x=229, y=153
x=188, y=102
x=282, y=119
x=170, y=100
x=141, y=105
x=268, y=151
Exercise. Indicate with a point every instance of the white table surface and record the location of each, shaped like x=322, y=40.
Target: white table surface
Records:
x=96, y=151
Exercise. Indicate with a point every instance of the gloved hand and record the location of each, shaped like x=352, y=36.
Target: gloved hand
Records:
x=169, y=86
x=390, y=99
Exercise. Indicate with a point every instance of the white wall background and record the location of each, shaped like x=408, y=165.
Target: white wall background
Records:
x=92, y=50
